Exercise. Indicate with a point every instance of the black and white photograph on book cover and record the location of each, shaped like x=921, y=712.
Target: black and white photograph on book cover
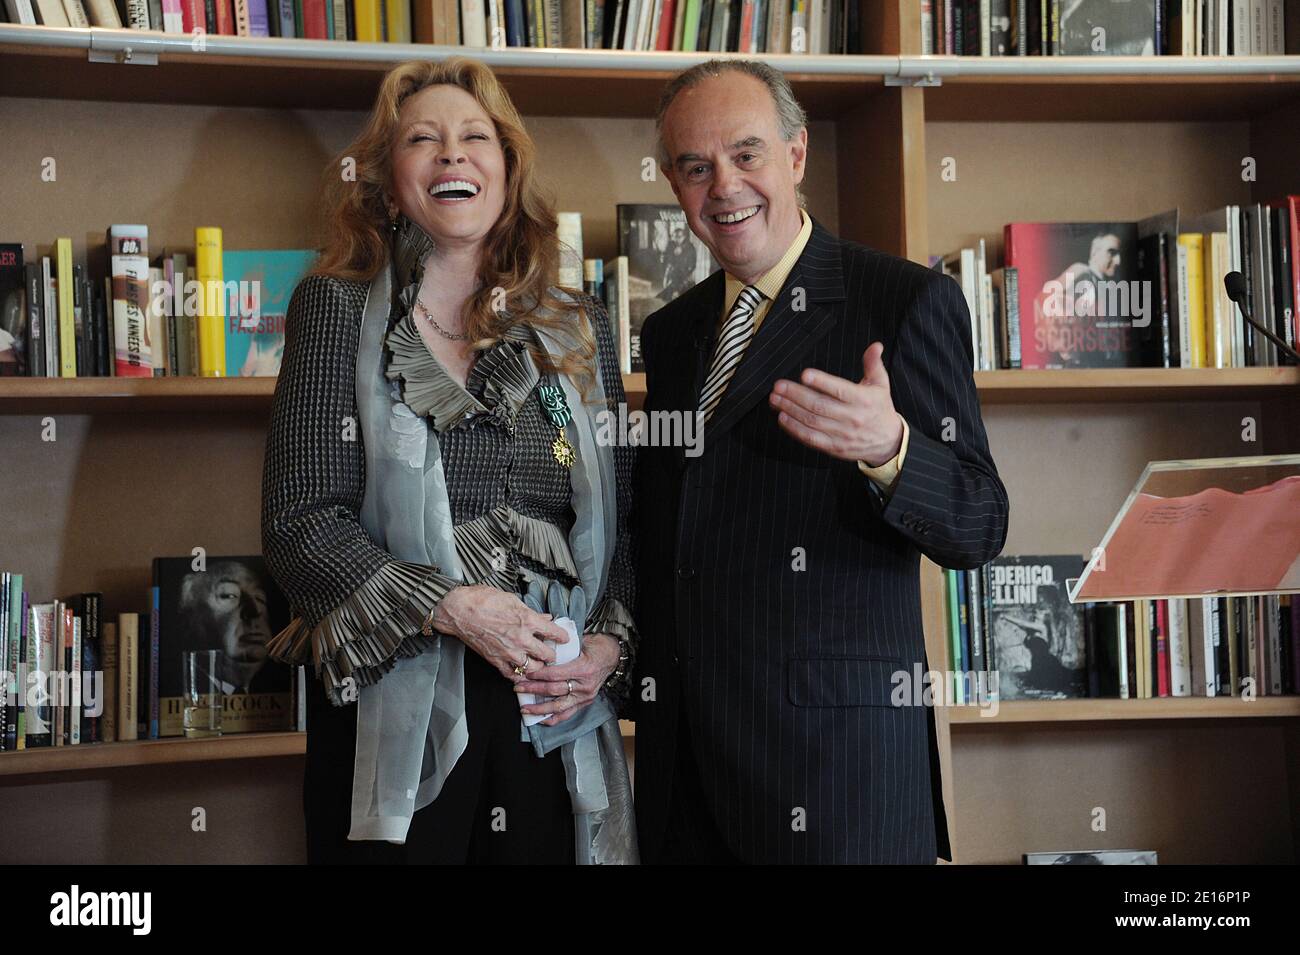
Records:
x=233, y=606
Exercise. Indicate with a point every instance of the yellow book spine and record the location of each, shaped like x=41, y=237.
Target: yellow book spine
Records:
x=1195, y=295
x=399, y=23
x=67, y=324
x=212, y=305
x=369, y=27
x=1216, y=316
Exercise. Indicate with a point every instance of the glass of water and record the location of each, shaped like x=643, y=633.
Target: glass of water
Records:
x=202, y=695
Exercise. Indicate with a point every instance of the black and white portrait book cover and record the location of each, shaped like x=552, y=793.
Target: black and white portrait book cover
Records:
x=1093, y=857
x=1108, y=28
x=232, y=605
x=664, y=260
x=1035, y=634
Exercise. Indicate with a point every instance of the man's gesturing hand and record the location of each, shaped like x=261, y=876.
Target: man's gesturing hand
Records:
x=847, y=420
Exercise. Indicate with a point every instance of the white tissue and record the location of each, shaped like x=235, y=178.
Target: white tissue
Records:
x=564, y=653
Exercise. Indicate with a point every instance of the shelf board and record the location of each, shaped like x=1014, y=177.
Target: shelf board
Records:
x=330, y=74
x=1079, y=385
x=1073, y=711
x=170, y=394
x=94, y=756
x=1104, y=88
x=56, y=759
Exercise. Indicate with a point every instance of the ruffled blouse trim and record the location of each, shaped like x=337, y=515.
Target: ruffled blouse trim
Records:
x=377, y=623
x=485, y=544
x=507, y=373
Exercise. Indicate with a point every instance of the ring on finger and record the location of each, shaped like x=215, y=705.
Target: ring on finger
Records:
x=570, y=682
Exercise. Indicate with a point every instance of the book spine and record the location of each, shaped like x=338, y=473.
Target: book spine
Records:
x=35, y=321
x=6, y=614
x=173, y=16
x=1122, y=616
x=1180, y=659
x=128, y=669
x=74, y=677
x=154, y=648
x=48, y=672
x=212, y=309
x=67, y=321
x=130, y=274
x=137, y=14
x=109, y=667
x=1209, y=630
x=103, y=13
x=370, y=28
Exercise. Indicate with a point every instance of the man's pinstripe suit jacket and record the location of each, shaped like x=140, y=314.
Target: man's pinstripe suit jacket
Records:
x=784, y=668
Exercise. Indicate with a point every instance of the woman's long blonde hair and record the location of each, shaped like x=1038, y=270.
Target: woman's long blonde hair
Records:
x=520, y=253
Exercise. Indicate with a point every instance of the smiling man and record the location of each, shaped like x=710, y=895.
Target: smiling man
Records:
x=779, y=569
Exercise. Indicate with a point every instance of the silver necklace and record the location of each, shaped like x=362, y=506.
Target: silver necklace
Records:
x=450, y=336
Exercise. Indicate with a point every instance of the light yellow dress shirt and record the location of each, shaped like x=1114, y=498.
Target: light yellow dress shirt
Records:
x=769, y=285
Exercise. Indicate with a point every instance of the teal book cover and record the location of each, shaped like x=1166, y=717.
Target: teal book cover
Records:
x=258, y=286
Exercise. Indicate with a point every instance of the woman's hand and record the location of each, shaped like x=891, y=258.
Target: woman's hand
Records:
x=571, y=686
x=499, y=627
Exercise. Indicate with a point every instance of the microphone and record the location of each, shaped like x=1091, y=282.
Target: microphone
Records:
x=1235, y=284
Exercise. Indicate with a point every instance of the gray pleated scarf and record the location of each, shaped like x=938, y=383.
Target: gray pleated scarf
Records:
x=411, y=725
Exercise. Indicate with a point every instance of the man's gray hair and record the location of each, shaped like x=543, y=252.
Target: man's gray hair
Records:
x=790, y=116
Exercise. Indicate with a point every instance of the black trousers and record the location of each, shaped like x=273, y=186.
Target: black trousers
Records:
x=501, y=804
x=691, y=836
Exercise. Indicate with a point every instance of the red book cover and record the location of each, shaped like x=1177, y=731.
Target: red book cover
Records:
x=192, y=16
x=1162, y=648
x=313, y=20
x=226, y=17
x=1080, y=294
x=665, y=39
x=747, y=27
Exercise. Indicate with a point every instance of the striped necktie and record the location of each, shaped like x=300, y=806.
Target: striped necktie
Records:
x=736, y=333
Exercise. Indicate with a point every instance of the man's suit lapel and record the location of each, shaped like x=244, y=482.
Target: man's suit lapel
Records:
x=805, y=309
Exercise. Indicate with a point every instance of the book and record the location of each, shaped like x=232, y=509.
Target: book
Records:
x=109, y=667
x=259, y=284
x=617, y=307
x=1107, y=28
x=1093, y=857
x=1035, y=635
x=128, y=256
x=232, y=605
x=569, y=260
x=1080, y=294
x=67, y=356
x=128, y=669
x=665, y=259
x=13, y=311
x=211, y=323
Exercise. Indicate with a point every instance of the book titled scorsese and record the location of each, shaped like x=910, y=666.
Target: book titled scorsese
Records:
x=664, y=260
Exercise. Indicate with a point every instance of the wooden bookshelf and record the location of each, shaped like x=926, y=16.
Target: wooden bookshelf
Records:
x=1136, y=384
x=92, y=757
x=168, y=394
x=1077, y=711
x=237, y=135
x=97, y=756
x=181, y=394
